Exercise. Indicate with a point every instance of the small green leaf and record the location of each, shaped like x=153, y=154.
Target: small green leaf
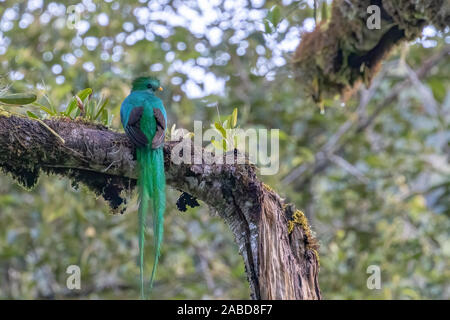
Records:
x=32, y=115
x=276, y=15
x=101, y=108
x=105, y=116
x=221, y=130
x=267, y=26
x=45, y=109
x=82, y=95
x=70, y=107
x=50, y=104
x=86, y=110
x=18, y=98
x=227, y=123
x=234, y=117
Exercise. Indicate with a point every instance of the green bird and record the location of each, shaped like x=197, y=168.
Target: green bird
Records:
x=144, y=119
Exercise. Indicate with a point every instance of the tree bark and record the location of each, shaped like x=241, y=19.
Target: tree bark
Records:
x=274, y=239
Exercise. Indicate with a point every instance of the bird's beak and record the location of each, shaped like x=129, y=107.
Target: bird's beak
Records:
x=160, y=89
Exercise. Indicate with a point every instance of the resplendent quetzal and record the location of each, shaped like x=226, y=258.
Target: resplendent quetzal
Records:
x=144, y=119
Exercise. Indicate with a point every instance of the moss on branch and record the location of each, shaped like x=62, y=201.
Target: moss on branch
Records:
x=343, y=52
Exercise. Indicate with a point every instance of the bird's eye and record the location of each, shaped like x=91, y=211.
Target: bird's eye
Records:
x=149, y=86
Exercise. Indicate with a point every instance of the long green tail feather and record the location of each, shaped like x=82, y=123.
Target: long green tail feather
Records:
x=152, y=185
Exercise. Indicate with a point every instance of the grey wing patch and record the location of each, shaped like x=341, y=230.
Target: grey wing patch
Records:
x=158, y=138
x=133, y=129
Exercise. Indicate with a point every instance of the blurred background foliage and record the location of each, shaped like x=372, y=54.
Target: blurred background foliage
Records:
x=387, y=204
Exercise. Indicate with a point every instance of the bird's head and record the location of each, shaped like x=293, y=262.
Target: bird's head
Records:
x=146, y=83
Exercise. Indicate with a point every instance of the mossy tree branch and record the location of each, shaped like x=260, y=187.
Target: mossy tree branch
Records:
x=274, y=239
x=343, y=52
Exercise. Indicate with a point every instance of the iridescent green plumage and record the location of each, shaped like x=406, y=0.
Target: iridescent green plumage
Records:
x=144, y=119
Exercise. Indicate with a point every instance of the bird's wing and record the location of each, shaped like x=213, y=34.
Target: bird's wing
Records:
x=158, y=138
x=133, y=127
